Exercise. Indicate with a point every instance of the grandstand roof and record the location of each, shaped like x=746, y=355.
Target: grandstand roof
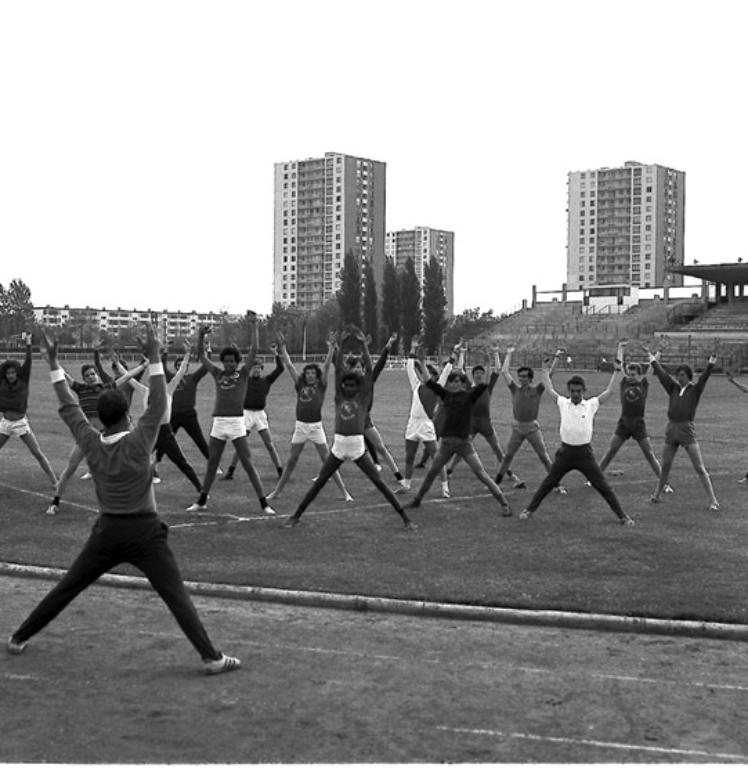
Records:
x=736, y=273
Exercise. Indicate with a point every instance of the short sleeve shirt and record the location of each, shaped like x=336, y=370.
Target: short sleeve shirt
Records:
x=577, y=420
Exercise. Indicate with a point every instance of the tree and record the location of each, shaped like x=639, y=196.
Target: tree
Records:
x=434, y=304
x=16, y=309
x=410, y=301
x=390, y=299
x=371, y=319
x=349, y=295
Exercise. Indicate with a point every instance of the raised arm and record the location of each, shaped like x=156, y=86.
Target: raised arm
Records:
x=286, y=358
x=382, y=361
x=505, y=370
x=667, y=381
x=449, y=366
x=554, y=362
x=332, y=339
x=182, y=370
x=25, y=372
x=278, y=370
x=205, y=361
x=707, y=372
x=616, y=375
x=545, y=378
x=103, y=375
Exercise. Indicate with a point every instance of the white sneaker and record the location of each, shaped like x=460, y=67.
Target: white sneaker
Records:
x=743, y=480
x=196, y=507
x=224, y=664
x=378, y=467
x=156, y=479
x=268, y=510
x=52, y=509
x=587, y=483
x=219, y=471
x=561, y=490
x=403, y=486
x=86, y=476
x=668, y=488
x=14, y=647
x=446, y=493
x=348, y=497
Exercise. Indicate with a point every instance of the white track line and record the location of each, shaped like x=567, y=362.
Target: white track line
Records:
x=47, y=496
x=594, y=743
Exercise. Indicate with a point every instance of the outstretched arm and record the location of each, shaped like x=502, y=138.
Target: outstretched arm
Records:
x=545, y=378
x=505, y=374
x=203, y=331
x=332, y=340
x=286, y=358
x=182, y=370
x=382, y=360
x=615, y=377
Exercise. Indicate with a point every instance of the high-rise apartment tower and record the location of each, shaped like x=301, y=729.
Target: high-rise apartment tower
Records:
x=420, y=244
x=325, y=207
x=625, y=226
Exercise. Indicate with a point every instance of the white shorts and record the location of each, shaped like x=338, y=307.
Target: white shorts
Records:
x=309, y=432
x=254, y=419
x=228, y=428
x=420, y=429
x=19, y=427
x=348, y=447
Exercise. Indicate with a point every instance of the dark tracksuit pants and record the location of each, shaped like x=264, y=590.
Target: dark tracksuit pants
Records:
x=167, y=444
x=138, y=539
x=189, y=422
x=581, y=458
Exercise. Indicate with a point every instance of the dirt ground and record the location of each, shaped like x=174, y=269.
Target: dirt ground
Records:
x=112, y=680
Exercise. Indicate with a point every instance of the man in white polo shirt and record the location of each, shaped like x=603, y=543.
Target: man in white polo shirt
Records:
x=577, y=419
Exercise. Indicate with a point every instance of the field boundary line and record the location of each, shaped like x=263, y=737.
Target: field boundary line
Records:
x=423, y=608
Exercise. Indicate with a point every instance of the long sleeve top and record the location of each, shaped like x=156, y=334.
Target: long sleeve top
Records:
x=120, y=463
x=683, y=401
x=14, y=398
x=457, y=408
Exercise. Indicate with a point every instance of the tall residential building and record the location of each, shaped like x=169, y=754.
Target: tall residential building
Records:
x=420, y=244
x=625, y=226
x=325, y=207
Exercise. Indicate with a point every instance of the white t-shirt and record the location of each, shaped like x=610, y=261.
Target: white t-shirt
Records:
x=577, y=420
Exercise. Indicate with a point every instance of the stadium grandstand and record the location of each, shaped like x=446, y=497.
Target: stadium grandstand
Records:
x=685, y=322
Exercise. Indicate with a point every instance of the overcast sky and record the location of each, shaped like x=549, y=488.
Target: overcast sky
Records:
x=137, y=139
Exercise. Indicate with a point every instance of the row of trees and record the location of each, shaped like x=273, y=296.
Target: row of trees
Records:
x=403, y=309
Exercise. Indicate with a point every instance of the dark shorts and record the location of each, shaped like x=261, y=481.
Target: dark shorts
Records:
x=628, y=427
x=483, y=427
x=680, y=433
x=456, y=446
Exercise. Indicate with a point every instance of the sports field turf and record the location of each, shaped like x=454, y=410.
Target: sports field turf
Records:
x=679, y=561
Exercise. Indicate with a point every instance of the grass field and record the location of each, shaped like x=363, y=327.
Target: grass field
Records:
x=679, y=561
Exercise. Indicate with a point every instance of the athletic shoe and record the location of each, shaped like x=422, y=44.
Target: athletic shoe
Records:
x=268, y=510
x=219, y=471
x=446, y=493
x=52, y=509
x=714, y=507
x=561, y=490
x=290, y=522
x=224, y=664
x=229, y=475
x=626, y=520
x=615, y=472
x=196, y=507
x=86, y=476
x=348, y=497
x=156, y=479
x=506, y=510
x=410, y=526
x=14, y=647
x=743, y=480
x=378, y=467
x=668, y=488
x=519, y=484
x=587, y=484
x=525, y=514
x=655, y=500
x=403, y=486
